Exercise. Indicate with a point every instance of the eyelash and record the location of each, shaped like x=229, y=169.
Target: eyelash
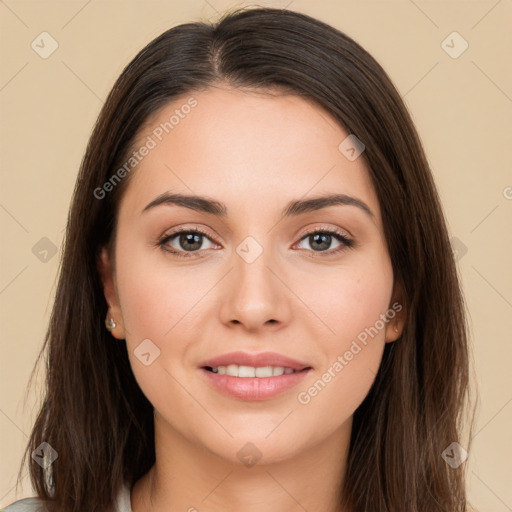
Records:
x=346, y=243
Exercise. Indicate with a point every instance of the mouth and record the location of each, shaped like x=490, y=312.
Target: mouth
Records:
x=258, y=372
x=253, y=383
x=253, y=376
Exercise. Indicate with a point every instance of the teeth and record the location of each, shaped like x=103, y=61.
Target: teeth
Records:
x=235, y=370
x=263, y=371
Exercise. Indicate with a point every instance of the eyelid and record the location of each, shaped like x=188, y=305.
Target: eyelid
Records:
x=330, y=229
x=165, y=238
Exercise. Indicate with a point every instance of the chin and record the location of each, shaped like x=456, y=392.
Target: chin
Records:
x=254, y=446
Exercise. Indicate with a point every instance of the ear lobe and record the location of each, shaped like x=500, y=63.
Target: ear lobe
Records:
x=397, y=314
x=107, y=274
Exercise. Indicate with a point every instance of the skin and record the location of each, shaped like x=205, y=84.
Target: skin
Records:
x=254, y=152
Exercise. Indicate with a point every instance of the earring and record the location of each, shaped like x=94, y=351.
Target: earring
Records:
x=110, y=324
x=396, y=328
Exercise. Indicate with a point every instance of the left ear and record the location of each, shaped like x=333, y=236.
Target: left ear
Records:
x=396, y=313
x=106, y=270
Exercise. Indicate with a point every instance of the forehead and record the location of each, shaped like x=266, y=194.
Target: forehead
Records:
x=251, y=148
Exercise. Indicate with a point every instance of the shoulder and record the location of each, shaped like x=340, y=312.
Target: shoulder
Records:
x=25, y=505
x=36, y=504
x=124, y=499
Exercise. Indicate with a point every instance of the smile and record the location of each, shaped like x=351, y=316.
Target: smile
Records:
x=235, y=370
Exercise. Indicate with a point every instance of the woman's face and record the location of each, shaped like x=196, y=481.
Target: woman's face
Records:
x=253, y=281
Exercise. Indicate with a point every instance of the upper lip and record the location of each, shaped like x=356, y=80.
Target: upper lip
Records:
x=255, y=360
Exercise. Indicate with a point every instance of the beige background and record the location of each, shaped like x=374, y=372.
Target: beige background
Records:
x=462, y=108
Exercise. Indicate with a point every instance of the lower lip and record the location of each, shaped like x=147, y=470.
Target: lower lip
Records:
x=254, y=388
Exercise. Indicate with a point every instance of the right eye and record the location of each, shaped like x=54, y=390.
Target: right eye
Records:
x=183, y=243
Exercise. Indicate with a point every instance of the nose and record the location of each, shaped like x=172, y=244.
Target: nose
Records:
x=254, y=295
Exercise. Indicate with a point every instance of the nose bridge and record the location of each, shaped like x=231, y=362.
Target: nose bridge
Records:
x=255, y=294
x=252, y=262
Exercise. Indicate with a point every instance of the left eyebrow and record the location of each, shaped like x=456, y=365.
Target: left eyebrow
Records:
x=292, y=209
x=299, y=207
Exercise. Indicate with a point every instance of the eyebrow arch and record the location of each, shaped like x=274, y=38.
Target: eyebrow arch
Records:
x=292, y=209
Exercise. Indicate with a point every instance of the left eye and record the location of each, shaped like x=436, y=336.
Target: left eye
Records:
x=320, y=241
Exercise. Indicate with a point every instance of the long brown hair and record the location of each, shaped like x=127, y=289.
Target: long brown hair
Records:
x=94, y=414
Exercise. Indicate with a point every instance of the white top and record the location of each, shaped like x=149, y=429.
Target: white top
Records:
x=123, y=503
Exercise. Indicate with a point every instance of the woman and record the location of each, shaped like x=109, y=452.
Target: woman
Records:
x=258, y=306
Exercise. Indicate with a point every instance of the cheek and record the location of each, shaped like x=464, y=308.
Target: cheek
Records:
x=154, y=303
x=355, y=309
x=355, y=296
x=165, y=304
x=154, y=296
